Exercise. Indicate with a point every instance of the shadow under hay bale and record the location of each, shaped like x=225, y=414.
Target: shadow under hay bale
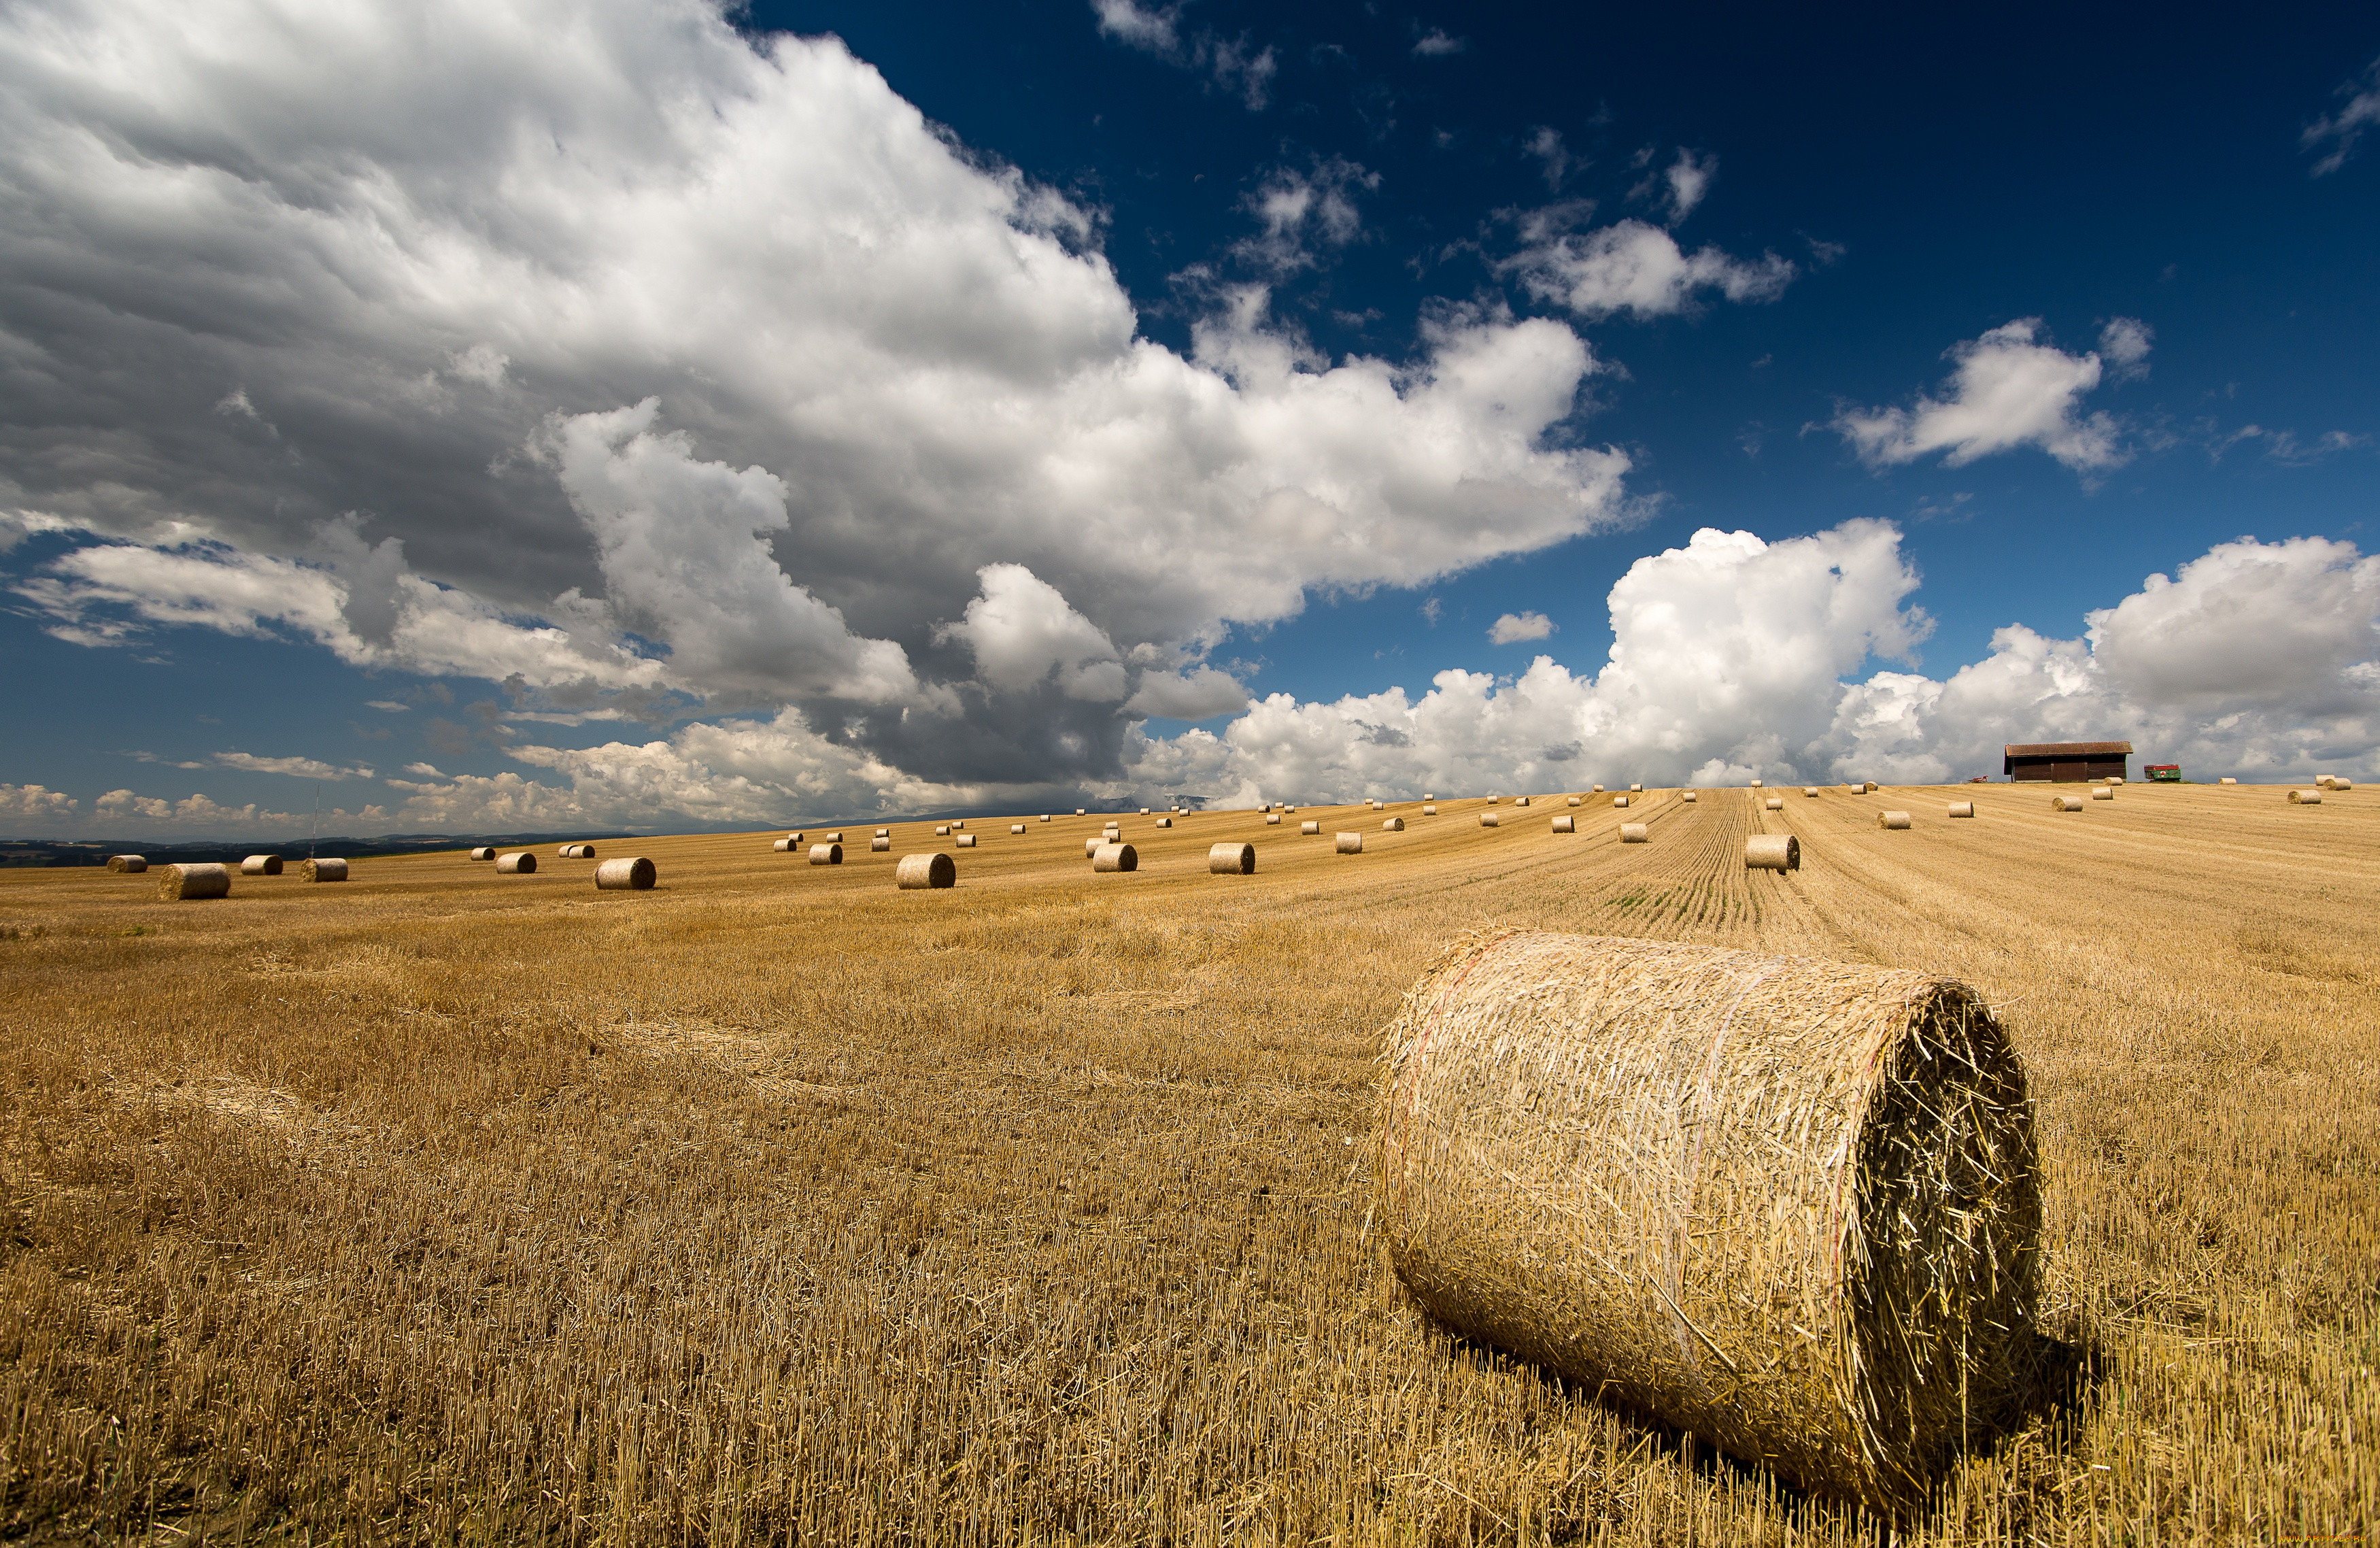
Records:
x=1792, y=1206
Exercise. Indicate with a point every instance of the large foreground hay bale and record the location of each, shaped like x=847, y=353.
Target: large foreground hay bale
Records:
x=484, y=852
x=626, y=873
x=1772, y=851
x=967, y=841
x=261, y=865
x=1232, y=859
x=323, y=871
x=1790, y=1205
x=1310, y=826
x=127, y=864
x=1635, y=832
x=178, y=884
x=1565, y=824
x=1962, y=808
x=521, y=863
x=2064, y=803
x=826, y=854
x=916, y=872
x=1115, y=857
x=1351, y=844
x=1394, y=825
x=1775, y=804
x=1892, y=819
x=2305, y=798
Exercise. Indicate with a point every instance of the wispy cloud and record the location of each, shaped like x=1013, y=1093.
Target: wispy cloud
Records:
x=1234, y=63
x=1436, y=45
x=2009, y=390
x=2339, y=131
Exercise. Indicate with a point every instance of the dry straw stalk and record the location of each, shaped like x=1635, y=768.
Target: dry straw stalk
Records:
x=626, y=873
x=1232, y=859
x=918, y=872
x=1790, y=1205
x=176, y=883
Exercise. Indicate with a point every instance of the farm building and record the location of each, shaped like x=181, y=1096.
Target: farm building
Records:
x=2063, y=761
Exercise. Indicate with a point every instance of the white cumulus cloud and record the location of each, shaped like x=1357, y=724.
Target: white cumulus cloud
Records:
x=2008, y=390
x=1515, y=627
x=1638, y=268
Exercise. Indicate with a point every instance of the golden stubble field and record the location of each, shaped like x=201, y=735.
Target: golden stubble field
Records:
x=776, y=1204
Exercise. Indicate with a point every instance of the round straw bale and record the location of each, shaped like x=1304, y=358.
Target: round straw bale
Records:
x=1488, y=820
x=1565, y=824
x=1598, y=790
x=967, y=841
x=884, y=833
x=1429, y=811
x=484, y=852
x=1522, y=802
x=521, y=863
x=785, y=846
x=1573, y=801
x=1774, y=803
x=1394, y=825
x=1686, y=796
x=1115, y=857
x=941, y=830
x=2305, y=798
x=1310, y=826
x=831, y=838
x=796, y=838
x=1869, y=788
x=1792, y=1206
x=1016, y=827
x=323, y=871
x=1165, y=821
x=1078, y=812
x=1892, y=819
x=177, y=883
x=2115, y=779
x=1045, y=817
x=2227, y=779
x=1756, y=785
x=1962, y=808
x=1091, y=845
x=261, y=865
x=880, y=844
x=1289, y=808
x=2103, y=793
x=1636, y=789
x=2342, y=785
x=127, y=864
x=1272, y=819
x=1772, y=851
x=2064, y=803
x=1811, y=791
x=828, y=853
x=587, y=851
x=1232, y=859
x=1635, y=832
x=1351, y=844
x=1618, y=803
x=918, y=872
x=1428, y=796
x=1144, y=811
x=957, y=822
x=626, y=873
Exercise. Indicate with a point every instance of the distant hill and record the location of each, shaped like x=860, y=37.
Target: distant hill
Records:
x=24, y=852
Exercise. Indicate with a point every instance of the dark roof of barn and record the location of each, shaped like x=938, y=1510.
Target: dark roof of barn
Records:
x=2067, y=750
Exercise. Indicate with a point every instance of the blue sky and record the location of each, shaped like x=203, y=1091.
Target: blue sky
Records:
x=528, y=416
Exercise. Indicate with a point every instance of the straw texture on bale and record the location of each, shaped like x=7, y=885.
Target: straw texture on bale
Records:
x=1091, y=845
x=1430, y=812
x=967, y=841
x=1892, y=819
x=626, y=873
x=1016, y=827
x=1618, y=803
x=1272, y=819
x=520, y=864
x=2342, y=785
x=1394, y=825
x=1962, y=808
x=127, y=864
x=1792, y=1206
x=1635, y=832
x=880, y=844
x=261, y=865
x=1686, y=796
x=1488, y=820
x=178, y=883
x=1310, y=826
x=1772, y=851
x=2322, y=782
x=1165, y=821
x=484, y=852
x=323, y=871
x=916, y=872
x=1115, y=857
x=2064, y=803
x=784, y=845
x=2305, y=798
x=1351, y=844
x=2104, y=793
x=831, y=838
x=2227, y=779
x=1232, y=859
x=1565, y=824
x=827, y=854
x=1775, y=804
x=582, y=851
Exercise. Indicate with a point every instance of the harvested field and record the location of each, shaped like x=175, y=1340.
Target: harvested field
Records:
x=778, y=1202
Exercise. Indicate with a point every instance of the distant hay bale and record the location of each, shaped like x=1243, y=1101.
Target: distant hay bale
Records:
x=1078, y=812
x=1772, y=851
x=786, y=847
x=2115, y=779
x=2064, y=803
x=1165, y=821
x=794, y=838
x=880, y=843
x=521, y=863
x=1232, y=859
x=1428, y=796
x=1756, y=785
x=1429, y=811
x=1351, y=844
x=831, y=838
x=1791, y=1206
x=1091, y=845
x=180, y=884
x=578, y=851
x=1016, y=827
x=1522, y=802
x=626, y=873
x=941, y=830
x=1272, y=819
x=1962, y=808
x=1687, y=796
x=1573, y=801
x=484, y=852
x=1811, y=791
x=2305, y=798
x=2227, y=779
x=884, y=833
x=1144, y=811
x=1774, y=803
x=1618, y=803
x=1394, y=825
x=1598, y=790
x=1115, y=857
x=1045, y=817
x=1565, y=824
x=967, y=841
x=918, y=872
x=127, y=864
x=2103, y=793
x=1892, y=819
x=1869, y=788
x=323, y=871
x=1636, y=789
x=261, y=865
x=1635, y=832
x=2322, y=782
x=2342, y=785
x=1310, y=826
x=827, y=854
x=1488, y=820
